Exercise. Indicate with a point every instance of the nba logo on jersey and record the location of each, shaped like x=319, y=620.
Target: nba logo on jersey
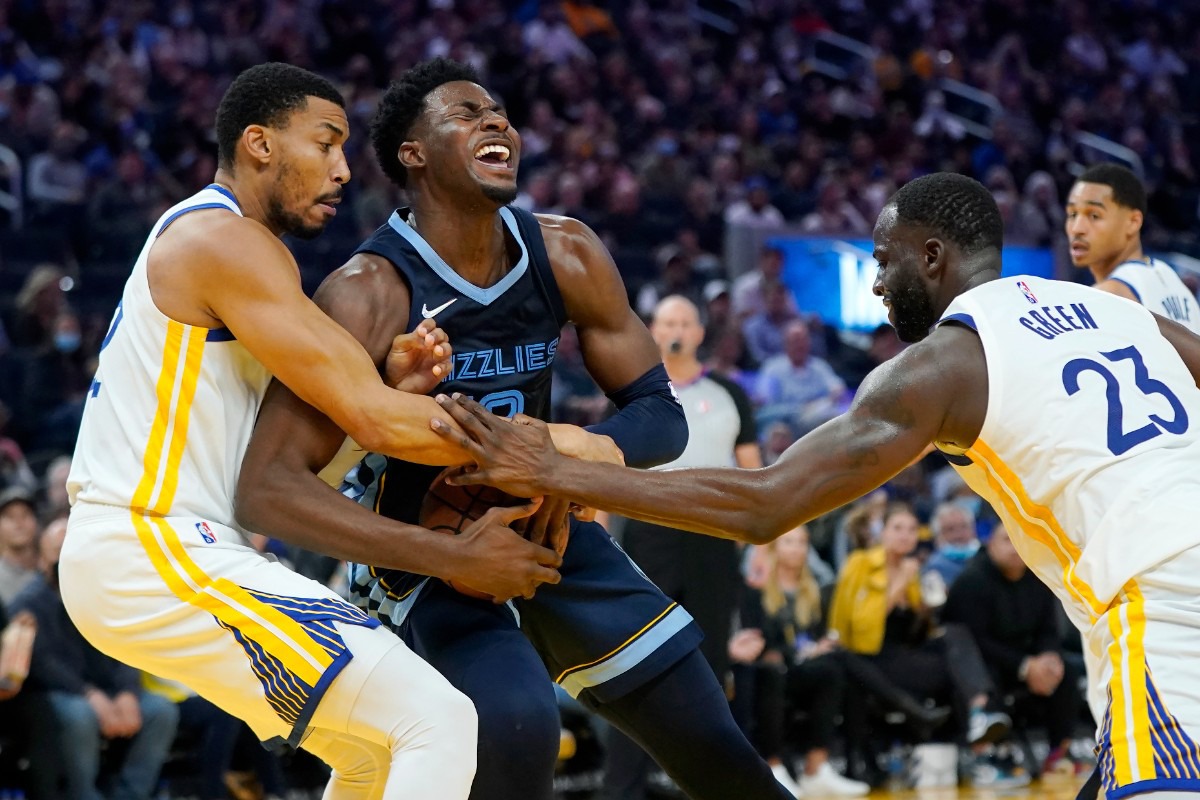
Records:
x=1029, y=295
x=206, y=533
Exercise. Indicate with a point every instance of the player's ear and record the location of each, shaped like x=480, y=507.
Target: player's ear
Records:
x=256, y=140
x=411, y=155
x=935, y=256
x=1136, y=218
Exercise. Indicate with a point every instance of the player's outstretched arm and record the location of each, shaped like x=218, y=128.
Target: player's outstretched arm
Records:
x=933, y=391
x=249, y=282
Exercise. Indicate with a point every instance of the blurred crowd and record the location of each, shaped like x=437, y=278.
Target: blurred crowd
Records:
x=664, y=125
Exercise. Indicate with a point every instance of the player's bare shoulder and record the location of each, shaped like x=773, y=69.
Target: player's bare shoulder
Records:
x=206, y=250
x=368, y=297
x=573, y=247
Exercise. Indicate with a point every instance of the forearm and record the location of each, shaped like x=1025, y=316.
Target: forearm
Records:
x=297, y=507
x=397, y=424
x=726, y=503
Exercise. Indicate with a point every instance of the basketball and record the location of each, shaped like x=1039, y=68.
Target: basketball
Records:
x=452, y=509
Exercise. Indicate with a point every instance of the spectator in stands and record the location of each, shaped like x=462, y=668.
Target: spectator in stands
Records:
x=1013, y=618
x=124, y=206
x=764, y=332
x=41, y=301
x=797, y=386
x=834, y=215
x=1150, y=58
x=23, y=715
x=57, y=179
x=878, y=612
x=755, y=210
x=787, y=663
x=18, y=542
x=676, y=278
x=54, y=488
x=15, y=471
x=954, y=542
x=749, y=290
x=94, y=697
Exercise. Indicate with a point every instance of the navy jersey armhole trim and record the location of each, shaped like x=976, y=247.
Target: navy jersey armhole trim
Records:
x=1128, y=286
x=531, y=232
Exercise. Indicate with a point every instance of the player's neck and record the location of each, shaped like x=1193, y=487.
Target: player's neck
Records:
x=248, y=200
x=682, y=370
x=472, y=242
x=1133, y=252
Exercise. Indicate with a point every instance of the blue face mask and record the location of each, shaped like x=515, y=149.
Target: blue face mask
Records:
x=960, y=552
x=66, y=341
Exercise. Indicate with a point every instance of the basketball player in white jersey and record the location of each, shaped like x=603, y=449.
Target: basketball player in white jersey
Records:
x=1105, y=210
x=1075, y=413
x=156, y=570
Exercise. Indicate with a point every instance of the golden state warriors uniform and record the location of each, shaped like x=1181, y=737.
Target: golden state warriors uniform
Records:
x=1159, y=288
x=155, y=570
x=605, y=628
x=1090, y=454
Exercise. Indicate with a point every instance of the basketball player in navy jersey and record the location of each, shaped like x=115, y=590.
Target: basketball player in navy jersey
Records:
x=502, y=282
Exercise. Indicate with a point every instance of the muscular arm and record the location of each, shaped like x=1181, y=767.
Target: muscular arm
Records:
x=616, y=346
x=279, y=493
x=935, y=391
x=238, y=275
x=1186, y=343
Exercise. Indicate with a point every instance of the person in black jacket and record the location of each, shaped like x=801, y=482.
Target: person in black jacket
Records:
x=1013, y=617
x=93, y=697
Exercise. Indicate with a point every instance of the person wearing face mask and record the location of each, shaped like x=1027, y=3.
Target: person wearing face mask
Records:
x=955, y=541
x=93, y=698
x=878, y=611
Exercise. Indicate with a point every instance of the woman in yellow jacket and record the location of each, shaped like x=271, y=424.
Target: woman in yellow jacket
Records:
x=877, y=612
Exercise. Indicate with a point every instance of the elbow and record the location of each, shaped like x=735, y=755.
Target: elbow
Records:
x=257, y=495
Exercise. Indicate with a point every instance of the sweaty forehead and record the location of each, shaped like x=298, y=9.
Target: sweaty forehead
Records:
x=451, y=94
x=888, y=218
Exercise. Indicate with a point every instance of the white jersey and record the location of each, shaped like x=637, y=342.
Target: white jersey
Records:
x=1158, y=287
x=1090, y=448
x=172, y=406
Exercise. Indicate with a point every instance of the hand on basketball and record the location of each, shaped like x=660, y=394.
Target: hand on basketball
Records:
x=551, y=525
x=418, y=361
x=512, y=456
x=497, y=561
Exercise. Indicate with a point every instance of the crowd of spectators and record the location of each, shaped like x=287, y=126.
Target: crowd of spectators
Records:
x=663, y=124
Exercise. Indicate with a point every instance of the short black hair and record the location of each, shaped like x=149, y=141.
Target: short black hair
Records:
x=1127, y=190
x=402, y=104
x=266, y=94
x=957, y=207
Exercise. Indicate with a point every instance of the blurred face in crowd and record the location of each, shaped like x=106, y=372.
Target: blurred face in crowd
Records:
x=676, y=328
x=770, y=263
x=464, y=141
x=18, y=529
x=1099, y=230
x=50, y=548
x=954, y=526
x=1000, y=549
x=791, y=549
x=899, y=251
x=899, y=536
x=797, y=343
x=309, y=167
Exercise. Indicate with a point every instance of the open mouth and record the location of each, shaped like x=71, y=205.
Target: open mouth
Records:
x=495, y=156
x=1078, y=249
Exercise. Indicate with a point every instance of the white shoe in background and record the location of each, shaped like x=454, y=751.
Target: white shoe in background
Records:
x=826, y=782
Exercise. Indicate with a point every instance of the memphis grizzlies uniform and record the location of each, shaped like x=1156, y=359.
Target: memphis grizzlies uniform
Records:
x=605, y=628
x=1090, y=454
x=155, y=570
x=1159, y=288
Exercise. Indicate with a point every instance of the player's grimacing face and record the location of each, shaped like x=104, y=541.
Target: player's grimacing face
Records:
x=898, y=249
x=1098, y=228
x=310, y=168
x=467, y=132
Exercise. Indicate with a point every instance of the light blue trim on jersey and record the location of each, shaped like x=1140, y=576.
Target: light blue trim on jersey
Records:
x=1129, y=286
x=444, y=271
x=965, y=319
x=628, y=658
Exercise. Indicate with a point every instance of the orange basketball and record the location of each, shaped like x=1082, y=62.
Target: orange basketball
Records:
x=452, y=509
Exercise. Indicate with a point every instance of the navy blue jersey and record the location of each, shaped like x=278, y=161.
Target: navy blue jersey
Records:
x=504, y=337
